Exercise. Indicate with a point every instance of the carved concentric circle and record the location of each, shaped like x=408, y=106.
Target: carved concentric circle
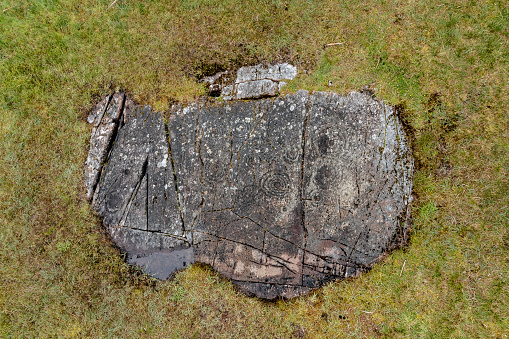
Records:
x=275, y=184
x=214, y=172
x=241, y=129
x=316, y=198
x=290, y=155
x=252, y=160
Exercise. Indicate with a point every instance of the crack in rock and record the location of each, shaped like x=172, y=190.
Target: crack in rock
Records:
x=279, y=195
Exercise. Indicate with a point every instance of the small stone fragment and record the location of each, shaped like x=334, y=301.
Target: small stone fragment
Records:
x=276, y=72
x=256, y=89
x=259, y=81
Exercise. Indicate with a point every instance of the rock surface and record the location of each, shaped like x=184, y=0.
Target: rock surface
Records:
x=279, y=195
x=259, y=81
x=104, y=119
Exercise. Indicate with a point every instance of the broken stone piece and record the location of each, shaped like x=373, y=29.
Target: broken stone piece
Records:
x=259, y=81
x=104, y=117
x=279, y=195
x=256, y=89
x=276, y=72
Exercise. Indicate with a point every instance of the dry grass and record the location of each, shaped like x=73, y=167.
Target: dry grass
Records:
x=446, y=67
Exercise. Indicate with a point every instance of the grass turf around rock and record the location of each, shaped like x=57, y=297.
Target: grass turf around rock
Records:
x=444, y=65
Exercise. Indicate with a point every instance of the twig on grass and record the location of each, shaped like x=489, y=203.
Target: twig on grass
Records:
x=5, y=10
x=114, y=2
x=402, y=267
x=334, y=44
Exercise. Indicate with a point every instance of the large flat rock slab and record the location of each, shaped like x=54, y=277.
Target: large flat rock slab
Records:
x=279, y=195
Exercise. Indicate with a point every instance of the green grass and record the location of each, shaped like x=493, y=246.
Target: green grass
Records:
x=445, y=65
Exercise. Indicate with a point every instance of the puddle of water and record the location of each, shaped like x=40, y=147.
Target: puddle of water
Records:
x=162, y=264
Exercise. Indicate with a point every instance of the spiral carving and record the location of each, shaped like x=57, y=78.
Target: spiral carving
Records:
x=275, y=184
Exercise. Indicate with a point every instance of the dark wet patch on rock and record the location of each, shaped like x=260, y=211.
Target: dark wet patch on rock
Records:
x=279, y=195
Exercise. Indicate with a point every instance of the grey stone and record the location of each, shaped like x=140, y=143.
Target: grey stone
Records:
x=258, y=81
x=227, y=92
x=104, y=118
x=256, y=89
x=276, y=72
x=279, y=195
x=136, y=193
